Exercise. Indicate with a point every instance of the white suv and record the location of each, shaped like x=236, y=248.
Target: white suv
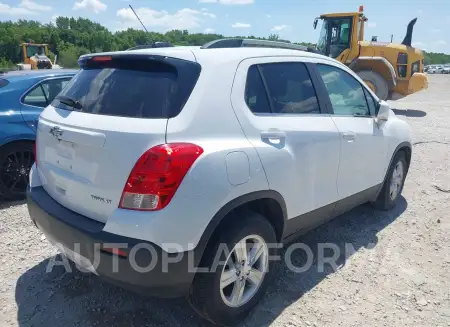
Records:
x=149, y=161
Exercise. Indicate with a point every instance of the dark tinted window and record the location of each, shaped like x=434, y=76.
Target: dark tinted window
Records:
x=133, y=86
x=255, y=93
x=346, y=93
x=290, y=88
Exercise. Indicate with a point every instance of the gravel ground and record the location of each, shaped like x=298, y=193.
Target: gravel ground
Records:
x=398, y=275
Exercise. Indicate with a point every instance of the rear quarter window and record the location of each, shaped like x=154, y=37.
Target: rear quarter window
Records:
x=132, y=86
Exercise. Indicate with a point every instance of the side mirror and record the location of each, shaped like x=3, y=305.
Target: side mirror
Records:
x=315, y=23
x=383, y=112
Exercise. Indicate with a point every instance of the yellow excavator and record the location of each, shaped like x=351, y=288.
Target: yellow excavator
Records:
x=35, y=56
x=391, y=70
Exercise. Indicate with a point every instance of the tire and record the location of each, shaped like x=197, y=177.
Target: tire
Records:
x=16, y=160
x=380, y=84
x=206, y=296
x=386, y=200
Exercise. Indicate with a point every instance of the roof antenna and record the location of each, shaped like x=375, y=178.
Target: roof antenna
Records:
x=151, y=39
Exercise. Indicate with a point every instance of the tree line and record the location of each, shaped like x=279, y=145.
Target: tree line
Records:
x=69, y=38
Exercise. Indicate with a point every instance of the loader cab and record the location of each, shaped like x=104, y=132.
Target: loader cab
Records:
x=339, y=34
x=28, y=50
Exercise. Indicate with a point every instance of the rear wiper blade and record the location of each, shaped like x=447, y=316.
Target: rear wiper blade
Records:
x=69, y=101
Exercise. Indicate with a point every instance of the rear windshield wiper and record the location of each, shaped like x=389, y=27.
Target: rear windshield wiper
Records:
x=69, y=101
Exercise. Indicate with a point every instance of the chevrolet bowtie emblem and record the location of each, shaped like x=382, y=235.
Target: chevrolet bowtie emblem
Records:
x=56, y=132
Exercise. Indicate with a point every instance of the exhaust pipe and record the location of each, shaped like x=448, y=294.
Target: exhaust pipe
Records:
x=408, y=37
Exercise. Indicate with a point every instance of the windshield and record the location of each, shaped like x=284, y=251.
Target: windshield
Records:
x=35, y=49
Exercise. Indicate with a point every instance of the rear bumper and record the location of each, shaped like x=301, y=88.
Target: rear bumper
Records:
x=146, y=268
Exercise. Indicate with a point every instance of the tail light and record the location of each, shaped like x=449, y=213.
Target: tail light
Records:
x=157, y=175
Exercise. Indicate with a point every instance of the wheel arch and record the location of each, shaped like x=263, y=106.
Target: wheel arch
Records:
x=379, y=65
x=269, y=203
x=16, y=139
x=405, y=147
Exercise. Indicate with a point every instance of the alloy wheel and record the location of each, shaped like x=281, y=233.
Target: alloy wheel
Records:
x=244, y=271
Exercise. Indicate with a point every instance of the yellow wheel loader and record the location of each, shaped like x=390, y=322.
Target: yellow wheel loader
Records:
x=35, y=56
x=391, y=70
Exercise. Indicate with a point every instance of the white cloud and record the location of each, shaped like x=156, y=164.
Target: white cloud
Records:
x=372, y=25
x=94, y=5
x=31, y=5
x=419, y=45
x=205, y=12
x=14, y=11
x=436, y=30
x=278, y=28
x=269, y=16
x=236, y=2
x=241, y=25
x=182, y=19
x=441, y=42
x=25, y=8
x=229, y=2
x=209, y=31
x=420, y=12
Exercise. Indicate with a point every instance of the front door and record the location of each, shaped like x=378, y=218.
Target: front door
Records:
x=362, y=140
x=296, y=139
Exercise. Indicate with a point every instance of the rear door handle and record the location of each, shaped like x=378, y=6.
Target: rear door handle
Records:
x=350, y=136
x=273, y=135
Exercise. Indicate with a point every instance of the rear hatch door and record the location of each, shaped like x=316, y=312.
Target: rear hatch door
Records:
x=110, y=113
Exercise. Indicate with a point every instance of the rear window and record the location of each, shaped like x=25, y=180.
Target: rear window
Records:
x=132, y=86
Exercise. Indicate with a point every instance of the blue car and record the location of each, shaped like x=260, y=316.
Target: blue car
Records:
x=23, y=96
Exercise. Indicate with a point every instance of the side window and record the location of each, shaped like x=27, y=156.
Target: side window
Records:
x=290, y=88
x=36, y=97
x=371, y=102
x=346, y=93
x=53, y=87
x=44, y=93
x=255, y=92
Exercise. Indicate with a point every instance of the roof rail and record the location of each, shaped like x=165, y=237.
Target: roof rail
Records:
x=255, y=43
x=153, y=45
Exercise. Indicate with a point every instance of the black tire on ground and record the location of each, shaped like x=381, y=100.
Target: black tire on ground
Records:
x=16, y=160
x=384, y=200
x=205, y=295
x=380, y=84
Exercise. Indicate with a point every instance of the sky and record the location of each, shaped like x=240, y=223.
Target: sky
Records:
x=291, y=19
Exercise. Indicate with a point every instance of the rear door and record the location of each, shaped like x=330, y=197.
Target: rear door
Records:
x=40, y=96
x=277, y=105
x=111, y=112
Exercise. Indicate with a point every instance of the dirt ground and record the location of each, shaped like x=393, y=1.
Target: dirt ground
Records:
x=398, y=276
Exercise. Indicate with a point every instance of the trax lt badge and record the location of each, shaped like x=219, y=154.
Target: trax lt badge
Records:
x=56, y=132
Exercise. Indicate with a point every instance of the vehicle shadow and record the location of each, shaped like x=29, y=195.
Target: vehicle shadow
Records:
x=410, y=112
x=60, y=298
x=5, y=204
